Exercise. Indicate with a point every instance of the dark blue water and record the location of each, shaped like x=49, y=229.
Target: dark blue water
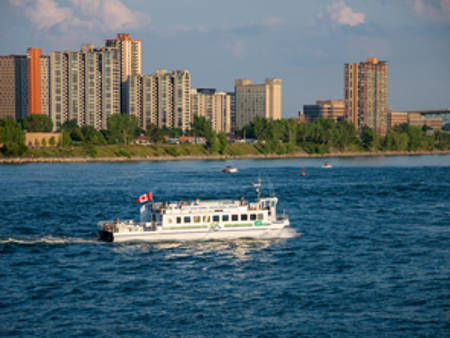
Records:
x=373, y=258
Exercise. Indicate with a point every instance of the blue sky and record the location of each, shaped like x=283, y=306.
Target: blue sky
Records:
x=304, y=42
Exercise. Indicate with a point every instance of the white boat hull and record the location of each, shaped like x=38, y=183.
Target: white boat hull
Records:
x=280, y=229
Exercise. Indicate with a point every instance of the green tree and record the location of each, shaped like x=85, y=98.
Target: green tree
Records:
x=345, y=135
x=155, y=134
x=44, y=142
x=223, y=143
x=37, y=123
x=52, y=141
x=212, y=143
x=66, y=140
x=172, y=132
x=442, y=140
x=12, y=137
x=368, y=138
x=122, y=128
x=200, y=127
x=261, y=127
x=10, y=131
x=70, y=129
x=92, y=136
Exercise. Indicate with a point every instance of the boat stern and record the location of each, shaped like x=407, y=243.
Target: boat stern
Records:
x=105, y=231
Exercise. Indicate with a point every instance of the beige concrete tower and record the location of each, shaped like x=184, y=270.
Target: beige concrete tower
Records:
x=45, y=84
x=214, y=106
x=257, y=100
x=365, y=93
x=85, y=86
x=130, y=59
x=13, y=86
x=161, y=98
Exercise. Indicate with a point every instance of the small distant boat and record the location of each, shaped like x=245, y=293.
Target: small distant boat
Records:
x=327, y=165
x=229, y=169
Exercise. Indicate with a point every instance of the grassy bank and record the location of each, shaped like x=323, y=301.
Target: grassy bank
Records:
x=120, y=153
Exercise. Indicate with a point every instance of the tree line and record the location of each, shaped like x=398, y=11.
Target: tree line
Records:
x=271, y=136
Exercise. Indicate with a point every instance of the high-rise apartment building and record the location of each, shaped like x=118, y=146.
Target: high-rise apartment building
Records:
x=331, y=109
x=162, y=98
x=232, y=96
x=45, y=84
x=34, y=80
x=214, y=106
x=257, y=100
x=130, y=59
x=13, y=86
x=365, y=93
x=85, y=86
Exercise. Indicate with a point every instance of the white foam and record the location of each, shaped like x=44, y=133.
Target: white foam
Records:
x=50, y=240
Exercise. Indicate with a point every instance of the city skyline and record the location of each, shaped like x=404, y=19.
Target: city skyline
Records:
x=304, y=43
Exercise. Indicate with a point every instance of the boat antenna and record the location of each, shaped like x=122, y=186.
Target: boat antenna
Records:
x=258, y=189
x=271, y=189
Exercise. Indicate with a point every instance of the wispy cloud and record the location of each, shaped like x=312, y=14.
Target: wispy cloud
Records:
x=104, y=15
x=342, y=14
x=436, y=10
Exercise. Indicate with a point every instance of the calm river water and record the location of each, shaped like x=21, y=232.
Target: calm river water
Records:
x=373, y=258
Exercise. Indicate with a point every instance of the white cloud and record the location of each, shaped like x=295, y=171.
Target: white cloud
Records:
x=104, y=15
x=342, y=14
x=110, y=14
x=438, y=10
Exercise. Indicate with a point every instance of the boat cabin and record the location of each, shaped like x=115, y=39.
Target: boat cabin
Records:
x=199, y=214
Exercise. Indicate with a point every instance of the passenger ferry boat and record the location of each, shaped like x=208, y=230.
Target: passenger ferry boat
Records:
x=201, y=220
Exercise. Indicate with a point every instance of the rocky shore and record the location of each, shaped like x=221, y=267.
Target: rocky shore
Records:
x=69, y=159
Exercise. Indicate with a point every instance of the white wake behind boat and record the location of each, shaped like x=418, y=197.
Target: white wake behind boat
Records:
x=201, y=220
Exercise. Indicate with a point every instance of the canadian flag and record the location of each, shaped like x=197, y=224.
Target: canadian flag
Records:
x=144, y=198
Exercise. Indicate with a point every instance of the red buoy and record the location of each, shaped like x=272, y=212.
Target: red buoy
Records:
x=303, y=172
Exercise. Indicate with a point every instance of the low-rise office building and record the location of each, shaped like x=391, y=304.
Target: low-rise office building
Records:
x=326, y=109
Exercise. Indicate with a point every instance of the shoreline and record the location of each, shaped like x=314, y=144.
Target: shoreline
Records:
x=78, y=159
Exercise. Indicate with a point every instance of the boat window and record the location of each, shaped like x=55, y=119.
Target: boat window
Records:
x=178, y=220
x=243, y=217
x=216, y=218
x=225, y=218
x=169, y=220
x=260, y=217
x=196, y=219
x=252, y=217
x=273, y=203
x=187, y=219
x=234, y=217
x=206, y=219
